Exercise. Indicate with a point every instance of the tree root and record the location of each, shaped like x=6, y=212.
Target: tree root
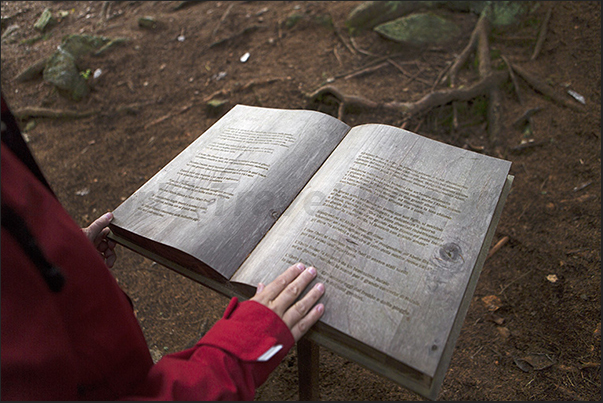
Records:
x=487, y=85
x=494, y=95
x=409, y=110
x=542, y=34
x=545, y=89
x=33, y=71
x=464, y=56
x=39, y=112
x=35, y=112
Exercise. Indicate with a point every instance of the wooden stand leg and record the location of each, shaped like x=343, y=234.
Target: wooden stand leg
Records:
x=307, y=367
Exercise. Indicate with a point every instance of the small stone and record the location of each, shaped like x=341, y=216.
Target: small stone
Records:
x=147, y=22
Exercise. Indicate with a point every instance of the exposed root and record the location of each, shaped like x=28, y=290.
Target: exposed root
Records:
x=34, y=112
x=366, y=70
x=33, y=71
x=409, y=110
x=464, y=56
x=545, y=89
x=513, y=80
x=488, y=85
x=461, y=60
x=494, y=96
x=542, y=34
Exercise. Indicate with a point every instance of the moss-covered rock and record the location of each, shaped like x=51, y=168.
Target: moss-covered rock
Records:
x=419, y=29
x=61, y=71
x=369, y=14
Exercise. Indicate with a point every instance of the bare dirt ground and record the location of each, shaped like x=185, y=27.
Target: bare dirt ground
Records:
x=541, y=343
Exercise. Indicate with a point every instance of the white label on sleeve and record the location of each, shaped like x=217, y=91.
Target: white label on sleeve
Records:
x=270, y=353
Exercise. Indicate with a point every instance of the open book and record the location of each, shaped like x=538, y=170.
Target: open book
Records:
x=398, y=226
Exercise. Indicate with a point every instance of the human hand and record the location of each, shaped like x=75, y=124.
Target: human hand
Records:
x=281, y=293
x=97, y=234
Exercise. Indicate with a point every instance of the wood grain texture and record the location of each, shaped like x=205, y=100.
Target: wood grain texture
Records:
x=217, y=199
x=397, y=224
x=395, y=237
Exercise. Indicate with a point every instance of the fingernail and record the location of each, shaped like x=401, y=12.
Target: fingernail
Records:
x=109, y=215
x=300, y=266
x=320, y=287
x=320, y=308
x=259, y=288
x=312, y=271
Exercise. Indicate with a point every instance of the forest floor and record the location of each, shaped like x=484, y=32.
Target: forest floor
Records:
x=541, y=340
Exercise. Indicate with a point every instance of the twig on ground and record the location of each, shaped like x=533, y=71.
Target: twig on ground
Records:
x=247, y=86
x=396, y=65
x=337, y=56
x=340, y=36
x=513, y=80
x=529, y=144
x=253, y=83
x=524, y=210
x=410, y=77
x=345, y=43
x=418, y=126
x=440, y=75
x=215, y=31
x=366, y=70
x=216, y=93
x=497, y=247
x=364, y=52
x=168, y=116
x=502, y=289
x=280, y=30
x=378, y=61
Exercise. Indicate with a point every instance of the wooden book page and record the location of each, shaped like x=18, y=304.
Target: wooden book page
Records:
x=218, y=197
x=394, y=222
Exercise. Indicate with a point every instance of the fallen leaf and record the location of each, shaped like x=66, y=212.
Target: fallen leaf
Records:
x=504, y=332
x=492, y=302
x=533, y=362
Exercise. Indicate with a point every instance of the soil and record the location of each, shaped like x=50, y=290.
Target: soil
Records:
x=532, y=331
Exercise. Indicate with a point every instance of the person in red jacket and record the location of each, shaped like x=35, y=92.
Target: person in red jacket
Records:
x=69, y=332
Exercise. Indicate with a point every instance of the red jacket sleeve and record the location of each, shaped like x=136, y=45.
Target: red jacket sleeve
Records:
x=84, y=342
x=235, y=357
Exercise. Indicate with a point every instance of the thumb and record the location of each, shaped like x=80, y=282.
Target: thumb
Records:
x=94, y=229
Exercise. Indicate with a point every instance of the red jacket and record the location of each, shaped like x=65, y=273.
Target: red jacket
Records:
x=83, y=341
